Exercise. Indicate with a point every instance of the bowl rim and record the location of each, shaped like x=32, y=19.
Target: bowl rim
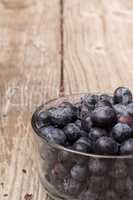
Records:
x=60, y=147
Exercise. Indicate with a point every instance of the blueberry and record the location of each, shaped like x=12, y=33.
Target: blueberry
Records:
x=120, y=109
x=96, y=133
x=90, y=101
x=86, y=124
x=42, y=119
x=102, y=103
x=121, y=132
x=97, y=166
x=83, y=145
x=72, y=132
x=130, y=108
x=127, y=147
x=55, y=135
x=119, y=169
x=78, y=123
x=122, y=95
x=62, y=115
x=71, y=186
x=106, y=146
x=104, y=116
x=126, y=119
x=78, y=172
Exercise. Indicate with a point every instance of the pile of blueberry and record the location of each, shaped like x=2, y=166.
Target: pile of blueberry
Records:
x=98, y=124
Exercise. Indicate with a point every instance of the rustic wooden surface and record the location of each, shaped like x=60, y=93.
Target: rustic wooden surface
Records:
x=47, y=48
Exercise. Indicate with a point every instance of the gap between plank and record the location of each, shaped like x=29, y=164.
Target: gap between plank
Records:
x=62, y=47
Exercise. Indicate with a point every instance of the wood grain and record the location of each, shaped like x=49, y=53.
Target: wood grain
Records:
x=98, y=45
x=30, y=74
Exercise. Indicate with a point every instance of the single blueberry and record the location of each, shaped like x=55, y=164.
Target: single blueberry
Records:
x=97, y=166
x=79, y=172
x=106, y=146
x=83, y=145
x=122, y=95
x=62, y=115
x=126, y=147
x=42, y=119
x=104, y=116
x=72, y=132
x=96, y=133
x=86, y=124
x=121, y=132
x=55, y=135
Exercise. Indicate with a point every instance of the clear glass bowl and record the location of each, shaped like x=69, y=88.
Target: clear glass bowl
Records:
x=103, y=177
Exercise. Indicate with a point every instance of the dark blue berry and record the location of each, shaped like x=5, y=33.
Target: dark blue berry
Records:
x=78, y=172
x=122, y=95
x=42, y=119
x=86, y=124
x=126, y=147
x=96, y=133
x=83, y=145
x=62, y=115
x=55, y=135
x=121, y=132
x=106, y=146
x=72, y=132
x=104, y=116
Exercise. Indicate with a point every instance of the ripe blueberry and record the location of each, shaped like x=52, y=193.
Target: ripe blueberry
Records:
x=72, y=132
x=104, y=116
x=121, y=132
x=122, y=95
x=106, y=146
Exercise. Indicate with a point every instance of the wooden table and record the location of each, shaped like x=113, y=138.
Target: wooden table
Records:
x=50, y=48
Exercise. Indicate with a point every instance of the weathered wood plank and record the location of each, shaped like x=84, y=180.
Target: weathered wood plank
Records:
x=30, y=74
x=98, y=45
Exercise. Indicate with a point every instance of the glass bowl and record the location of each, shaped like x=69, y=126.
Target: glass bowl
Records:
x=69, y=175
